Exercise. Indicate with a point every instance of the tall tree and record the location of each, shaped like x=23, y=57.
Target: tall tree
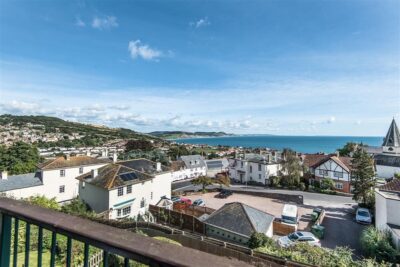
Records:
x=19, y=158
x=348, y=149
x=203, y=181
x=363, y=176
x=291, y=167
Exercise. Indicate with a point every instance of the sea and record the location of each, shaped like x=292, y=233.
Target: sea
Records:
x=303, y=144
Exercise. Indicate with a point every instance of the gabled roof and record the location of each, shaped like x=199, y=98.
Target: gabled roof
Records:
x=393, y=136
x=63, y=162
x=392, y=186
x=114, y=175
x=315, y=160
x=193, y=161
x=217, y=163
x=143, y=165
x=241, y=219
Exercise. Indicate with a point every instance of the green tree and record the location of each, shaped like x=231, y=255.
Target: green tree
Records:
x=259, y=240
x=223, y=179
x=76, y=207
x=42, y=201
x=327, y=183
x=363, y=176
x=19, y=158
x=378, y=244
x=348, y=149
x=203, y=181
x=291, y=168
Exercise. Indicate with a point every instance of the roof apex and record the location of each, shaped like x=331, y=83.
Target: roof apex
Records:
x=393, y=135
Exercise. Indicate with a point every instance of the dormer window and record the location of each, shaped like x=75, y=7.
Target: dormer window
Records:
x=390, y=148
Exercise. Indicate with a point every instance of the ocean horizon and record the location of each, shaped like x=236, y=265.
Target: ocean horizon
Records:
x=303, y=144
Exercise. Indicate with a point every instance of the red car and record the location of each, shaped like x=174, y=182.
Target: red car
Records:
x=187, y=201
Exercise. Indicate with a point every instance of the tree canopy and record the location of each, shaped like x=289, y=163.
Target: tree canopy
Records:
x=363, y=176
x=203, y=181
x=19, y=158
x=291, y=168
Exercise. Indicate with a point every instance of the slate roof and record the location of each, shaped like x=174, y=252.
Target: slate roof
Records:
x=20, y=181
x=241, y=219
x=393, y=136
x=114, y=175
x=63, y=162
x=143, y=165
x=392, y=186
x=217, y=163
x=387, y=160
x=193, y=161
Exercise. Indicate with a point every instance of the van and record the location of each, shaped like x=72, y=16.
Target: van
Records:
x=289, y=214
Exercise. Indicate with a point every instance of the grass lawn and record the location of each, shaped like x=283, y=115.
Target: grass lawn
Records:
x=32, y=258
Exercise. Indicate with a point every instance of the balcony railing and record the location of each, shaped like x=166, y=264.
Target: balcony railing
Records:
x=111, y=240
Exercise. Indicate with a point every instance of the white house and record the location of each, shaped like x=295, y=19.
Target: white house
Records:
x=125, y=188
x=54, y=178
x=387, y=209
x=330, y=166
x=215, y=166
x=187, y=167
x=253, y=168
x=387, y=163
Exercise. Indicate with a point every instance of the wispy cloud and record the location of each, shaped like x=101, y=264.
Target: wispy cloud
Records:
x=104, y=23
x=79, y=22
x=137, y=49
x=203, y=22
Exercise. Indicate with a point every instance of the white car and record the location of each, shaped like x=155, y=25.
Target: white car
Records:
x=199, y=202
x=298, y=237
x=363, y=216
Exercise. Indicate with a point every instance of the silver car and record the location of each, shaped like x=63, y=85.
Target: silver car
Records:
x=363, y=216
x=298, y=237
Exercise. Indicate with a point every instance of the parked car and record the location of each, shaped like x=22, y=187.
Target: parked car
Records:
x=187, y=201
x=296, y=237
x=290, y=214
x=175, y=199
x=224, y=194
x=199, y=202
x=363, y=216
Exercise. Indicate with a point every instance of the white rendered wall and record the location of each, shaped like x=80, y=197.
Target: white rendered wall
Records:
x=386, y=171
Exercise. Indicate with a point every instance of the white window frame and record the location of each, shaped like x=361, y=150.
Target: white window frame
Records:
x=80, y=170
x=126, y=210
x=323, y=172
x=338, y=174
x=119, y=212
x=129, y=189
x=120, y=191
x=61, y=189
x=339, y=187
x=151, y=195
x=62, y=173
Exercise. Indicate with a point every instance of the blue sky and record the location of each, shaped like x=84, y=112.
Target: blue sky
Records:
x=307, y=67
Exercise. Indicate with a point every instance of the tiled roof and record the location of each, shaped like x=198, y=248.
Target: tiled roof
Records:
x=314, y=160
x=114, y=175
x=20, y=181
x=193, y=161
x=392, y=186
x=63, y=162
x=240, y=218
x=177, y=165
x=143, y=165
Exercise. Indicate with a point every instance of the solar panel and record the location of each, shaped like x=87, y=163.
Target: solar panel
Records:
x=128, y=176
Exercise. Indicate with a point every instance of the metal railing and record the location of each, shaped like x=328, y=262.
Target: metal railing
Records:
x=111, y=240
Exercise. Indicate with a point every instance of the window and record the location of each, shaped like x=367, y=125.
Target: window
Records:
x=259, y=167
x=129, y=189
x=80, y=170
x=118, y=212
x=62, y=173
x=259, y=176
x=61, y=189
x=251, y=169
x=339, y=186
x=83, y=185
x=126, y=210
x=151, y=195
x=120, y=191
x=142, y=203
x=323, y=172
x=241, y=164
x=338, y=174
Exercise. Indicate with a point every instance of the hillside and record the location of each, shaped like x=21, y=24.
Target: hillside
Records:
x=51, y=131
x=182, y=134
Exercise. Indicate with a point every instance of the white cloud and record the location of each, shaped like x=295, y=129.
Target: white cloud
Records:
x=104, y=23
x=79, y=22
x=200, y=23
x=331, y=120
x=137, y=49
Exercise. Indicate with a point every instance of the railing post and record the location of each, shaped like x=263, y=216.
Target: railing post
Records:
x=5, y=239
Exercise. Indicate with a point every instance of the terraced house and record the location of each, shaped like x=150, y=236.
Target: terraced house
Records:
x=125, y=188
x=330, y=167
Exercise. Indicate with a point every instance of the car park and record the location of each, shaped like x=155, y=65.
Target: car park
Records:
x=175, y=199
x=363, y=216
x=199, y=202
x=298, y=237
x=187, y=201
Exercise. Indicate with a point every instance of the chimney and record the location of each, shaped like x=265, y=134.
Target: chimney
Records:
x=94, y=173
x=88, y=153
x=337, y=153
x=67, y=157
x=4, y=175
x=158, y=166
x=115, y=157
x=103, y=153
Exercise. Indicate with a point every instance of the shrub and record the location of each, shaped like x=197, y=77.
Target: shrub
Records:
x=378, y=244
x=302, y=186
x=327, y=183
x=275, y=180
x=259, y=240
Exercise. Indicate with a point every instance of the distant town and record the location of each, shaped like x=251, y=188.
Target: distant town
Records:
x=261, y=203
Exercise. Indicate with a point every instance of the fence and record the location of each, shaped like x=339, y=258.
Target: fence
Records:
x=281, y=228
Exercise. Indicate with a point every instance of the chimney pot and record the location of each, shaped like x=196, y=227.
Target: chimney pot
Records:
x=158, y=166
x=115, y=157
